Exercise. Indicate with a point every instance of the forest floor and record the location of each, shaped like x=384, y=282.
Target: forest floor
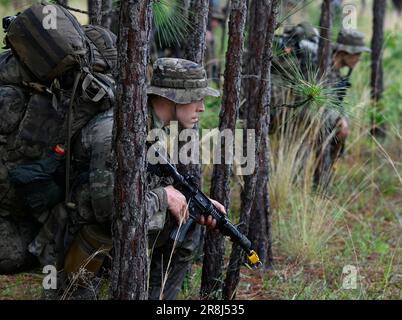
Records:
x=355, y=250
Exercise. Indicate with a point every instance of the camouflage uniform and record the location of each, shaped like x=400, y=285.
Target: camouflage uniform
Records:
x=216, y=17
x=181, y=81
x=352, y=42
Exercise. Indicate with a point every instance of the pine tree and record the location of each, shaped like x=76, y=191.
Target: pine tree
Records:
x=260, y=216
x=324, y=47
x=257, y=119
x=377, y=70
x=130, y=223
x=214, y=248
x=95, y=11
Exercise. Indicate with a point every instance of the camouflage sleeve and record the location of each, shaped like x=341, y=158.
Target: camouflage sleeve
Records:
x=97, y=140
x=156, y=206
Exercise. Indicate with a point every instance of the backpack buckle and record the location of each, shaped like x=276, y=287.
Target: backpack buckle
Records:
x=94, y=89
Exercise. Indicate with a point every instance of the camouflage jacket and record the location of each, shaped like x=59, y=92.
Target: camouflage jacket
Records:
x=95, y=197
x=340, y=83
x=92, y=190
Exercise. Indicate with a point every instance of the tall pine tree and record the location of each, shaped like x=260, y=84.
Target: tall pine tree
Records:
x=130, y=222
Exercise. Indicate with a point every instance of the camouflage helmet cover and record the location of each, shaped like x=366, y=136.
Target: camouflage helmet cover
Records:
x=303, y=30
x=179, y=80
x=351, y=41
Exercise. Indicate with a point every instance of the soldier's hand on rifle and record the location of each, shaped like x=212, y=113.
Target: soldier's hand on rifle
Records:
x=177, y=204
x=210, y=222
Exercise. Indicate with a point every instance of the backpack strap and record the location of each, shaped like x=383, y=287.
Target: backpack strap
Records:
x=68, y=202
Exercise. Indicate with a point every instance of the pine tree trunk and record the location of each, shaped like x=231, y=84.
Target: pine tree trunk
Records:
x=130, y=222
x=260, y=228
x=214, y=247
x=195, y=51
x=257, y=119
x=95, y=11
x=324, y=46
x=377, y=70
x=107, y=7
x=195, y=44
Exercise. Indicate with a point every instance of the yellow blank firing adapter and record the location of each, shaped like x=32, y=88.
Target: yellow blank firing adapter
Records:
x=253, y=258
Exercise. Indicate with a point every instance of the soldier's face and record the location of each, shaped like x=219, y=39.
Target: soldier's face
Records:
x=189, y=114
x=351, y=60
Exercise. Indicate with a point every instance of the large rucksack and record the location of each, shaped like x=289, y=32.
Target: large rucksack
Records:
x=103, y=44
x=11, y=70
x=296, y=48
x=49, y=52
x=47, y=47
x=87, y=55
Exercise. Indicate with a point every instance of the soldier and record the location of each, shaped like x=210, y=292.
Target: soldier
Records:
x=177, y=90
x=295, y=56
x=347, y=52
x=216, y=19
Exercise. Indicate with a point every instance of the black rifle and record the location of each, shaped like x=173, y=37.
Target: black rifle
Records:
x=343, y=85
x=199, y=204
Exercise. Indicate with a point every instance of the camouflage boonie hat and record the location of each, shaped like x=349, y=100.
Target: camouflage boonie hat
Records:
x=181, y=81
x=351, y=41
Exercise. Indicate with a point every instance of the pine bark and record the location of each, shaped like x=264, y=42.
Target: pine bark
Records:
x=194, y=50
x=130, y=221
x=257, y=119
x=377, y=69
x=214, y=246
x=107, y=11
x=324, y=46
x=195, y=44
x=260, y=216
x=95, y=11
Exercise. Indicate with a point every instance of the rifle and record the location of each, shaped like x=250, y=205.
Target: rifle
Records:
x=199, y=203
x=343, y=85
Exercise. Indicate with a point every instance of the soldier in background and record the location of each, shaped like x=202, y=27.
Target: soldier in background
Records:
x=216, y=19
x=295, y=56
x=347, y=52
